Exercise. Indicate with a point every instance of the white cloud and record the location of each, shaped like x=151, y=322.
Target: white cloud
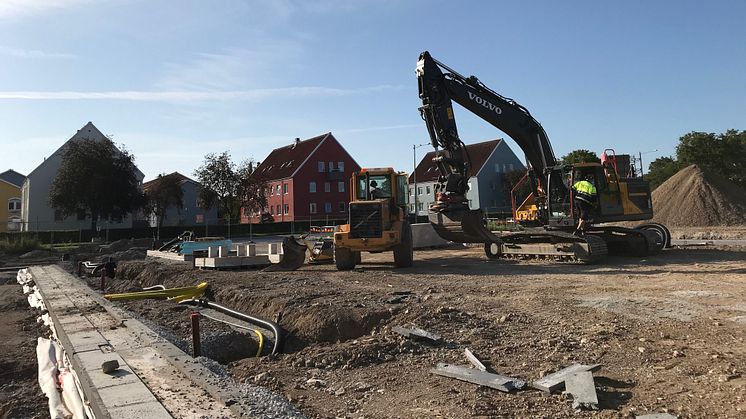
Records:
x=192, y=96
x=32, y=53
x=19, y=8
x=233, y=68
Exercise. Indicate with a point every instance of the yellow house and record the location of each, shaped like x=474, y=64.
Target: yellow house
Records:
x=10, y=200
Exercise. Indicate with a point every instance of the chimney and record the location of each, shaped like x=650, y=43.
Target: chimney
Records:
x=295, y=142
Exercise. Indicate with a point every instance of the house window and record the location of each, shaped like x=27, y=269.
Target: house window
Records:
x=419, y=206
x=497, y=167
x=321, y=166
x=327, y=207
x=14, y=204
x=312, y=187
x=341, y=206
x=411, y=207
x=278, y=190
x=285, y=188
x=199, y=218
x=340, y=186
x=287, y=209
x=510, y=166
x=278, y=210
x=419, y=190
x=312, y=208
x=411, y=191
x=341, y=166
x=271, y=210
x=58, y=215
x=331, y=166
x=327, y=187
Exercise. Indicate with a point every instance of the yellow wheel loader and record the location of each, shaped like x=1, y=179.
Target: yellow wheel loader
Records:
x=377, y=220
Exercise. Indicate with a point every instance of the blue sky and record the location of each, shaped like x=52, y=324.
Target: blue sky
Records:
x=175, y=80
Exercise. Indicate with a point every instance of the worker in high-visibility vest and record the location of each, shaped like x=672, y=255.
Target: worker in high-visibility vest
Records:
x=585, y=201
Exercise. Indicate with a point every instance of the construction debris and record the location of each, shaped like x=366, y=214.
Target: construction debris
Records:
x=583, y=390
x=481, y=378
x=110, y=366
x=657, y=416
x=474, y=360
x=556, y=381
x=416, y=333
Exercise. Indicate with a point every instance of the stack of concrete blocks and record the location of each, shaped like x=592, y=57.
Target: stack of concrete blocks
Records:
x=242, y=255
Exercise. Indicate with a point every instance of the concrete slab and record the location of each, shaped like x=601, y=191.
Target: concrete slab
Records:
x=481, y=378
x=233, y=262
x=582, y=388
x=424, y=236
x=556, y=380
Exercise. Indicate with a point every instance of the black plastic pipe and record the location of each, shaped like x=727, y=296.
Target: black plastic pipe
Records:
x=256, y=321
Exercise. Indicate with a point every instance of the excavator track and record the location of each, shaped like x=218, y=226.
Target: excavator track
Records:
x=629, y=242
x=538, y=243
x=555, y=245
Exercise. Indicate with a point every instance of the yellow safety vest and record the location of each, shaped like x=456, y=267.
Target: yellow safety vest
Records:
x=585, y=187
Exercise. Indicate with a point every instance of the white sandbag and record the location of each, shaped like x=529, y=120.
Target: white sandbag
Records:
x=70, y=394
x=46, y=357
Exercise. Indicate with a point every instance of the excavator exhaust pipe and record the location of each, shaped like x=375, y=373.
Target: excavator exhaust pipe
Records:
x=462, y=226
x=294, y=256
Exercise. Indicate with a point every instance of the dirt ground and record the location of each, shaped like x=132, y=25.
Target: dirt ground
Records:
x=669, y=331
x=20, y=395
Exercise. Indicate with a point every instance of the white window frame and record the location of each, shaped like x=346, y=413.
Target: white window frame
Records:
x=312, y=208
x=340, y=186
x=285, y=188
x=286, y=210
x=322, y=168
x=327, y=186
x=341, y=166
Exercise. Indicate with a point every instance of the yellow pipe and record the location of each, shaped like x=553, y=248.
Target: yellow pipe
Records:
x=176, y=294
x=261, y=342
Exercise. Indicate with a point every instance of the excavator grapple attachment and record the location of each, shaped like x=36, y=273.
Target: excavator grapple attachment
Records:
x=462, y=226
x=294, y=256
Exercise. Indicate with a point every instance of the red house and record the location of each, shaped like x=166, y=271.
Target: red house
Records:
x=306, y=180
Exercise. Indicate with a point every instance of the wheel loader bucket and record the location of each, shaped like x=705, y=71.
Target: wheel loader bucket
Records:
x=462, y=226
x=294, y=256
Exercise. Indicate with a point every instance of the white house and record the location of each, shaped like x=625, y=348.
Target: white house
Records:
x=37, y=214
x=490, y=160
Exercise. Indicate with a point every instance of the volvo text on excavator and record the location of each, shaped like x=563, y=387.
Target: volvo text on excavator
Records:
x=550, y=206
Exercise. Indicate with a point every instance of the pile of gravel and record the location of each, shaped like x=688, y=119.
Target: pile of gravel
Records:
x=693, y=198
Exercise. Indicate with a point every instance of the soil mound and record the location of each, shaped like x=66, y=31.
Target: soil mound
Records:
x=693, y=198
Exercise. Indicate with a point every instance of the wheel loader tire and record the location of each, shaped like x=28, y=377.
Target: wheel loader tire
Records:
x=344, y=258
x=492, y=250
x=404, y=252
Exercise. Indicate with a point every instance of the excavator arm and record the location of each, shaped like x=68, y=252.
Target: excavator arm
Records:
x=439, y=87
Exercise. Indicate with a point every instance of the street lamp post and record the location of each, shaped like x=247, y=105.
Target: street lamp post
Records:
x=414, y=177
x=639, y=154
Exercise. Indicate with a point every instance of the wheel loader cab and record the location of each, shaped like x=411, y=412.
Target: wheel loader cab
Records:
x=376, y=220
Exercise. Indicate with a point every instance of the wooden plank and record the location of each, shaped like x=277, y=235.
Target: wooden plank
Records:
x=475, y=376
x=556, y=380
x=474, y=360
x=583, y=390
x=416, y=333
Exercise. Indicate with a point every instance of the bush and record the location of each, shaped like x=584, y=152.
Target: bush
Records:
x=20, y=245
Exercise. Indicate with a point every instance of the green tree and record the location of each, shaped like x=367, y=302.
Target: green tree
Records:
x=580, y=156
x=661, y=169
x=164, y=192
x=723, y=154
x=252, y=190
x=98, y=180
x=219, y=184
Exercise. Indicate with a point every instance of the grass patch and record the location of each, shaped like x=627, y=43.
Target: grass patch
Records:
x=20, y=245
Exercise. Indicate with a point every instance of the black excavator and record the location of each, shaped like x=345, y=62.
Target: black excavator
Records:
x=553, y=216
